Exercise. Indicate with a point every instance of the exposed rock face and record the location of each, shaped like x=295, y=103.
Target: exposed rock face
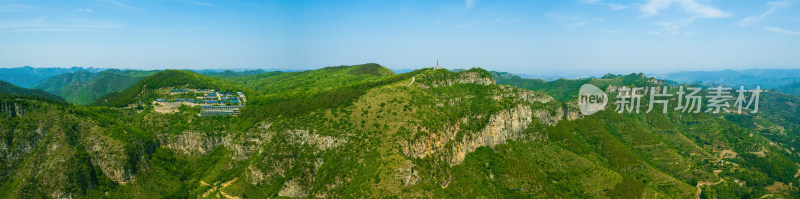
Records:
x=656, y=81
x=548, y=118
x=14, y=109
x=293, y=189
x=320, y=142
x=407, y=174
x=249, y=142
x=39, y=150
x=528, y=95
x=285, y=141
x=193, y=143
x=254, y=175
x=572, y=112
x=109, y=155
x=21, y=147
x=465, y=78
x=503, y=126
x=200, y=143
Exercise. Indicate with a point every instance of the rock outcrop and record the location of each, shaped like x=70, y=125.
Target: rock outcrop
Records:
x=109, y=155
x=293, y=189
x=505, y=125
x=15, y=108
x=452, y=143
x=464, y=78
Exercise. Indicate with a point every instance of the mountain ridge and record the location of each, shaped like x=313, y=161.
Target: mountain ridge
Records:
x=425, y=133
x=12, y=90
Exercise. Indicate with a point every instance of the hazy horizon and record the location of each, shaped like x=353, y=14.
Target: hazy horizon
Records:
x=541, y=75
x=530, y=37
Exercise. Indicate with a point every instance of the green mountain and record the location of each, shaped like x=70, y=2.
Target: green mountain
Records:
x=230, y=73
x=27, y=76
x=8, y=89
x=158, y=84
x=793, y=88
x=362, y=131
x=766, y=78
x=567, y=89
x=84, y=87
x=311, y=81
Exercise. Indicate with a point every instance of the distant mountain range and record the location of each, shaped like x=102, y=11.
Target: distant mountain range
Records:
x=793, y=88
x=783, y=80
x=83, y=87
x=766, y=78
x=27, y=76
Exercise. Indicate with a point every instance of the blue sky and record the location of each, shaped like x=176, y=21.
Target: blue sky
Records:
x=565, y=36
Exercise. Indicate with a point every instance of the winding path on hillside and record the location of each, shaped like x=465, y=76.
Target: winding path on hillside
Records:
x=412, y=80
x=704, y=183
x=219, y=188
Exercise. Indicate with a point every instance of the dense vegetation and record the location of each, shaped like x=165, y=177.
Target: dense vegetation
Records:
x=312, y=81
x=230, y=73
x=567, y=90
x=793, y=88
x=9, y=89
x=143, y=91
x=27, y=77
x=84, y=87
x=363, y=131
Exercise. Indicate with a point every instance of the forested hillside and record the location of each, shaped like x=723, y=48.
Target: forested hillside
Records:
x=793, y=89
x=83, y=87
x=143, y=91
x=27, y=77
x=8, y=89
x=363, y=131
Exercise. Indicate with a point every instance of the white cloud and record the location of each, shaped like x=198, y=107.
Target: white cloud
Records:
x=116, y=3
x=753, y=21
x=577, y=24
x=694, y=9
x=46, y=24
x=15, y=8
x=774, y=5
x=571, y=20
x=653, y=7
x=470, y=3
x=84, y=10
x=781, y=30
x=612, y=6
x=199, y=3
x=672, y=28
